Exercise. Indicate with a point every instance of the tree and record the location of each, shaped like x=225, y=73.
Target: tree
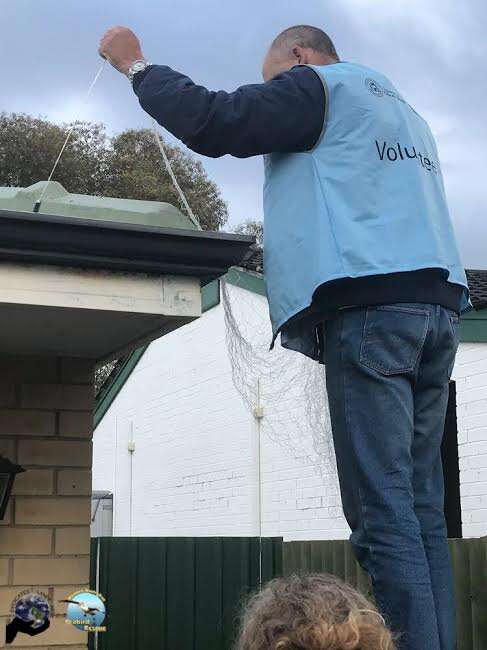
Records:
x=29, y=146
x=126, y=166
x=102, y=374
x=253, y=228
x=137, y=172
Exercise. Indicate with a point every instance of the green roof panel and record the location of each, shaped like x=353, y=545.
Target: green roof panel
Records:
x=57, y=201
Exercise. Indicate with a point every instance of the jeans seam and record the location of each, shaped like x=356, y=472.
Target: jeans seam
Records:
x=423, y=339
x=363, y=507
x=370, y=548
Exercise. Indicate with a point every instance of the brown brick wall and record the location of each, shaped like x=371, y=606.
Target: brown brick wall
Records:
x=46, y=426
x=57, y=453
x=74, y=482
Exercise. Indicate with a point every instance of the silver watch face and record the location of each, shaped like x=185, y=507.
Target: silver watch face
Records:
x=138, y=66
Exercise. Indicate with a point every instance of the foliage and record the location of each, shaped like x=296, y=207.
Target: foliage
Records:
x=128, y=165
x=137, y=172
x=252, y=228
x=29, y=146
x=103, y=373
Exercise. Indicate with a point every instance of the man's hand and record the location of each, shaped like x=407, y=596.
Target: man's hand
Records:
x=121, y=47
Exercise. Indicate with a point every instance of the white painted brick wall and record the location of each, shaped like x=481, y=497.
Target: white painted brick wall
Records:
x=195, y=469
x=470, y=374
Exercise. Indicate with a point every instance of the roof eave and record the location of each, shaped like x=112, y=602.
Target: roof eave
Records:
x=89, y=243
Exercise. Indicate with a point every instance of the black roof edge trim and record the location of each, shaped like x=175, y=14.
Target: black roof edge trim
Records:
x=69, y=241
x=119, y=225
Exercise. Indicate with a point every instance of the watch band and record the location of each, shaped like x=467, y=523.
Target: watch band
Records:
x=137, y=66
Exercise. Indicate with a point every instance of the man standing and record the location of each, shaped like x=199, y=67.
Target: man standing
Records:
x=362, y=272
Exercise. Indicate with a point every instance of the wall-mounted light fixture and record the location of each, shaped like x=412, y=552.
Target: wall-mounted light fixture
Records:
x=8, y=472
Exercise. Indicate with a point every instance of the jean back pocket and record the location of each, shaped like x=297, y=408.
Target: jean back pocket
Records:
x=393, y=338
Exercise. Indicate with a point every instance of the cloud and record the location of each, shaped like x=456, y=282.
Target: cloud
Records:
x=443, y=25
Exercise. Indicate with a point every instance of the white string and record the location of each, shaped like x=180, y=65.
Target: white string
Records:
x=70, y=133
x=158, y=138
x=170, y=171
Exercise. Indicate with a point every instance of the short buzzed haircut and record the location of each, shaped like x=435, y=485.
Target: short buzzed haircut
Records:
x=308, y=37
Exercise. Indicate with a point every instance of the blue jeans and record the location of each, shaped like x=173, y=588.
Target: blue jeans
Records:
x=388, y=369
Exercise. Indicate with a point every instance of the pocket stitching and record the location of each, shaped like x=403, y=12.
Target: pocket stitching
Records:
x=407, y=310
x=369, y=363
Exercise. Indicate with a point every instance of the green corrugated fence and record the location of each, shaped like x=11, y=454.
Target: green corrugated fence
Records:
x=333, y=557
x=469, y=558
x=186, y=593
x=177, y=593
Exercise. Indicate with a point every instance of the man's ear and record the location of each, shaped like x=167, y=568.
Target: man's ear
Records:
x=298, y=53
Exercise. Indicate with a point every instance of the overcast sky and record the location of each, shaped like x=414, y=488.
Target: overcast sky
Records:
x=434, y=52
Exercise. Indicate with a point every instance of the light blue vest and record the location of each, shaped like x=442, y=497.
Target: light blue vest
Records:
x=369, y=199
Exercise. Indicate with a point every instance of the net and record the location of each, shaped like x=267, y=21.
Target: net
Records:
x=290, y=387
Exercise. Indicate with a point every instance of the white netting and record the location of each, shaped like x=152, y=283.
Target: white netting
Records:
x=292, y=387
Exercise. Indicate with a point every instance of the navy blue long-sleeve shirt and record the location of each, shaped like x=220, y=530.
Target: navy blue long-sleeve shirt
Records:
x=284, y=115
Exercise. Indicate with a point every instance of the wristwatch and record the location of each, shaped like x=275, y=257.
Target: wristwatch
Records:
x=137, y=66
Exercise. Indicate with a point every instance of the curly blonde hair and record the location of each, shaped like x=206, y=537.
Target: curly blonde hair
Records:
x=312, y=612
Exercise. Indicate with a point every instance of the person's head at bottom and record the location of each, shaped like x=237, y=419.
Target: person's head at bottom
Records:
x=312, y=612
